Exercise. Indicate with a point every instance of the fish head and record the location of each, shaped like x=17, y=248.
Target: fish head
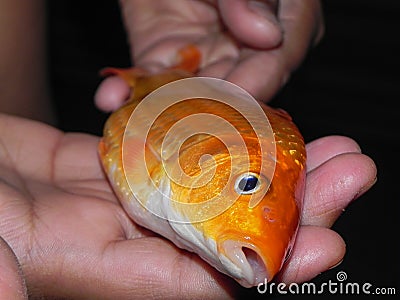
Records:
x=245, y=216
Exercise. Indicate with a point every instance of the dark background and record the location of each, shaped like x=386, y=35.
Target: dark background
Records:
x=348, y=85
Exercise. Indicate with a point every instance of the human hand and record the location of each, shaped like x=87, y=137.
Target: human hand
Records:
x=73, y=239
x=254, y=44
x=11, y=282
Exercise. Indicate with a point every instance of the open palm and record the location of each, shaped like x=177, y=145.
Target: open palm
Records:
x=73, y=239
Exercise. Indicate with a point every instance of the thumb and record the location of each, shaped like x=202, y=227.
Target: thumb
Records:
x=11, y=282
x=254, y=23
x=111, y=94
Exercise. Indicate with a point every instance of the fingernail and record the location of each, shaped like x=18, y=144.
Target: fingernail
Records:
x=365, y=188
x=335, y=265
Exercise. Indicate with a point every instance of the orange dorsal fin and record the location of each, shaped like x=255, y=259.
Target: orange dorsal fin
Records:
x=188, y=60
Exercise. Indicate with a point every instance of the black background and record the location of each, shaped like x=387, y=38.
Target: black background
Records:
x=348, y=85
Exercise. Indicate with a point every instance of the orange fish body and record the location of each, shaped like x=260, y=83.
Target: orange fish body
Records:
x=247, y=242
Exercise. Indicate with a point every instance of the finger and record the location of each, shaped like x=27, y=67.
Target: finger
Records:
x=41, y=152
x=12, y=285
x=252, y=22
x=303, y=26
x=76, y=159
x=322, y=149
x=316, y=250
x=9, y=178
x=167, y=270
x=150, y=268
x=111, y=94
x=29, y=145
x=333, y=185
x=263, y=73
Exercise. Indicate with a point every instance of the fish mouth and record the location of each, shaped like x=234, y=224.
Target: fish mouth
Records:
x=245, y=263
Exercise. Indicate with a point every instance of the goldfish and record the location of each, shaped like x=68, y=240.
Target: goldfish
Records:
x=239, y=211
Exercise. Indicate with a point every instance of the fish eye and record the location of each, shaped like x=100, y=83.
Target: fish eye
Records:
x=247, y=183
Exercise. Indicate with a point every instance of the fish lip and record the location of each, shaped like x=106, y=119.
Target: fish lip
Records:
x=245, y=262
